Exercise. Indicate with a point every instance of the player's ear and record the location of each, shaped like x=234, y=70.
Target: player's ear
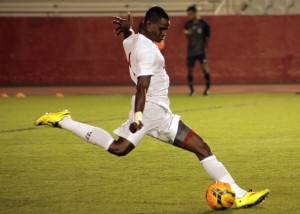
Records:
x=148, y=24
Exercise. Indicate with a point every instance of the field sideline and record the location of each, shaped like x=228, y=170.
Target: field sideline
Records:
x=45, y=170
x=130, y=89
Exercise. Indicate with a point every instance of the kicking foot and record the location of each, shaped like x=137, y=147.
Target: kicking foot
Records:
x=251, y=198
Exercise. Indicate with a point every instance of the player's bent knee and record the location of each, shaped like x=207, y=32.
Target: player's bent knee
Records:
x=121, y=148
x=119, y=151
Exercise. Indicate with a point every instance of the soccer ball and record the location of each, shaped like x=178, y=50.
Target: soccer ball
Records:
x=220, y=196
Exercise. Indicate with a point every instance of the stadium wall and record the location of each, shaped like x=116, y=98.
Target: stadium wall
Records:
x=84, y=50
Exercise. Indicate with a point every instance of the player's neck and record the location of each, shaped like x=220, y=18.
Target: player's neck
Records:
x=145, y=35
x=196, y=19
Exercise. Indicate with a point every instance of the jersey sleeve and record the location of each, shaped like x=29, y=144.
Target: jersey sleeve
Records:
x=145, y=62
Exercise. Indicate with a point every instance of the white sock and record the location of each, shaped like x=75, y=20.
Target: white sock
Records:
x=218, y=172
x=91, y=134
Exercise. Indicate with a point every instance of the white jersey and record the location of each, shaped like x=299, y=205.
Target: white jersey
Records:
x=145, y=59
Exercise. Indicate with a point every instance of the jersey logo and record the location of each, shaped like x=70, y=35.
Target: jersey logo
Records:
x=129, y=61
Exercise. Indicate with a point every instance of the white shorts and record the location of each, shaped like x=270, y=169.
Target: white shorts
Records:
x=159, y=122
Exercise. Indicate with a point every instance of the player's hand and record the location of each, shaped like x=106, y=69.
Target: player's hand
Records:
x=123, y=25
x=137, y=122
x=134, y=127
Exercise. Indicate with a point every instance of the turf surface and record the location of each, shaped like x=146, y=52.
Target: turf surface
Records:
x=46, y=170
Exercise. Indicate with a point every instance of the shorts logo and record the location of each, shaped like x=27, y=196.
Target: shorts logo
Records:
x=88, y=135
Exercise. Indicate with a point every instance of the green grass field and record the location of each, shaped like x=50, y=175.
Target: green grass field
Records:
x=47, y=170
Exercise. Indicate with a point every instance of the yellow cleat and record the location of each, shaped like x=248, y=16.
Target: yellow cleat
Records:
x=51, y=119
x=251, y=198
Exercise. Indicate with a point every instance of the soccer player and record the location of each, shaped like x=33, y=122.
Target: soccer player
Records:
x=150, y=113
x=197, y=32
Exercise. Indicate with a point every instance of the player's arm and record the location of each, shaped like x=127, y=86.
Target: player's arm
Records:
x=207, y=34
x=187, y=32
x=123, y=26
x=140, y=100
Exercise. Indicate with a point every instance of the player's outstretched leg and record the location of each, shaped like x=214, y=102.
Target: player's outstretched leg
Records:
x=91, y=134
x=191, y=141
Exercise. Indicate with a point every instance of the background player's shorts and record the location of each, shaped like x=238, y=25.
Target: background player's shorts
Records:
x=158, y=122
x=191, y=60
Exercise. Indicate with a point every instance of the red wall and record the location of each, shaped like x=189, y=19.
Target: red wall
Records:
x=66, y=51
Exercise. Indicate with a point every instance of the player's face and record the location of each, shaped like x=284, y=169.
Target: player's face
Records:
x=191, y=15
x=158, y=31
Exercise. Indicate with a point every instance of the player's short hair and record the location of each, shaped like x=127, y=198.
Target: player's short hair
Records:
x=155, y=13
x=192, y=8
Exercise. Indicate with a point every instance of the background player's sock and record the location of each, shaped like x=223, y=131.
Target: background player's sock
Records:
x=89, y=133
x=219, y=173
x=191, y=84
x=207, y=82
x=207, y=79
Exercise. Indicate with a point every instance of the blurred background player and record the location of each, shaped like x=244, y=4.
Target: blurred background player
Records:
x=197, y=32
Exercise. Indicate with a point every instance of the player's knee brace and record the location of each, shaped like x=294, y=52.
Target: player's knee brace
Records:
x=184, y=133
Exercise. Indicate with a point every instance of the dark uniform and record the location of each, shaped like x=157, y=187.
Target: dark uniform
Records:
x=197, y=32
